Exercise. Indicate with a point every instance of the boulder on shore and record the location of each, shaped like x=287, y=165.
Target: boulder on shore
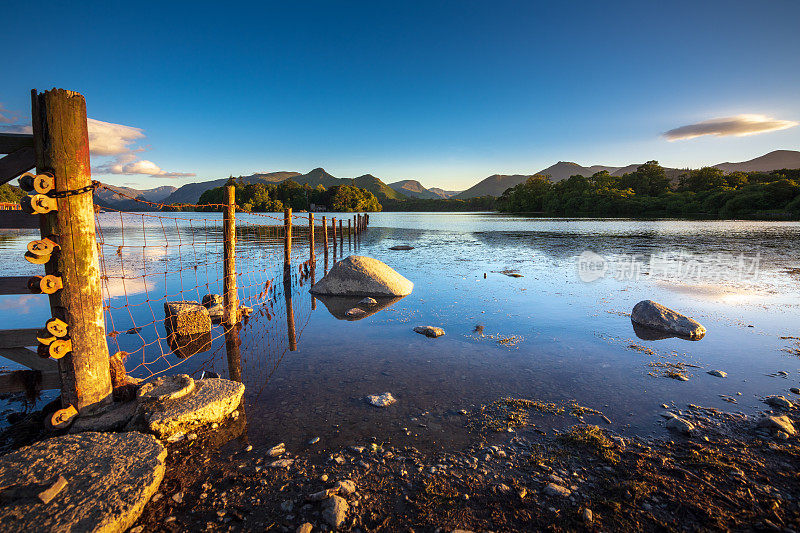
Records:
x=655, y=316
x=362, y=276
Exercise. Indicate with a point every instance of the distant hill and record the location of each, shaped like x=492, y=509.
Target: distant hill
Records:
x=776, y=160
x=494, y=185
x=377, y=187
x=413, y=189
x=113, y=198
x=441, y=193
x=190, y=193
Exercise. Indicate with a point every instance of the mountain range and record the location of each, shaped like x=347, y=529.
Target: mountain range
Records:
x=494, y=185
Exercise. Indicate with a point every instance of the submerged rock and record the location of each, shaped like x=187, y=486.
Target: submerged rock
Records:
x=186, y=318
x=109, y=479
x=215, y=304
x=381, y=400
x=368, y=301
x=362, y=276
x=779, y=402
x=680, y=425
x=655, y=316
x=718, y=373
x=355, y=312
x=401, y=247
x=429, y=331
x=339, y=306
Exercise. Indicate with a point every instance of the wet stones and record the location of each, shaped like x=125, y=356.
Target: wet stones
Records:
x=655, y=316
x=778, y=423
x=277, y=450
x=215, y=304
x=680, y=425
x=556, y=490
x=778, y=401
x=362, y=276
x=108, y=479
x=381, y=400
x=429, y=331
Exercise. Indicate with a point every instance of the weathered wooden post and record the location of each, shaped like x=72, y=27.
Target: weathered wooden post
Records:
x=311, y=244
x=229, y=296
x=287, y=236
x=366, y=219
x=349, y=231
x=341, y=233
x=287, y=293
x=61, y=143
x=333, y=223
x=325, y=234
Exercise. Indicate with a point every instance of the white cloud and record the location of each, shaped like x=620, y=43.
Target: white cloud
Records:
x=106, y=138
x=738, y=126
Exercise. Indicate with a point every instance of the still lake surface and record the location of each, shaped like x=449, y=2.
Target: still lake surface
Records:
x=561, y=332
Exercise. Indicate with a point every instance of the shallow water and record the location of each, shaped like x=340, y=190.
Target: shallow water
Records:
x=564, y=338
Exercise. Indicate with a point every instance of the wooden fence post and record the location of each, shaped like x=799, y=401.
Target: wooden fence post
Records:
x=333, y=223
x=311, y=244
x=349, y=231
x=61, y=143
x=287, y=236
x=341, y=233
x=325, y=234
x=229, y=295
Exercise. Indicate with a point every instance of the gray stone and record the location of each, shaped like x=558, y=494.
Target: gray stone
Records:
x=112, y=418
x=429, y=331
x=215, y=304
x=166, y=388
x=345, y=487
x=381, y=400
x=213, y=400
x=680, y=425
x=718, y=373
x=362, y=276
x=186, y=318
x=335, y=511
x=778, y=401
x=110, y=477
x=778, y=423
x=282, y=463
x=553, y=489
x=655, y=316
x=278, y=449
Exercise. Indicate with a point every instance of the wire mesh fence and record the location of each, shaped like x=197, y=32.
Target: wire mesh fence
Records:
x=149, y=259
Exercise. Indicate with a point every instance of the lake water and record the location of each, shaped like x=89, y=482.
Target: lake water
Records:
x=561, y=332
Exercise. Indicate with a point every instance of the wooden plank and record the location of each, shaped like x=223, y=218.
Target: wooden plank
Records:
x=14, y=285
x=16, y=338
x=30, y=359
x=18, y=220
x=16, y=163
x=11, y=382
x=11, y=142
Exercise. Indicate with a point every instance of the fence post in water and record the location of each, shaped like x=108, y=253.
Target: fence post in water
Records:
x=311, y=243
x=61, y=143
x=229, y=296
x=349, y=231
x=325, y=234
x=333, y=223
x=366, y=220
x=287, y=236
x=341, y=233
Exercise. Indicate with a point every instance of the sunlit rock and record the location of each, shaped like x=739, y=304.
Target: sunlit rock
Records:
x=109, y=479
x=381, y=400
x=429, y=331
x=362, y=276
x=655, y=316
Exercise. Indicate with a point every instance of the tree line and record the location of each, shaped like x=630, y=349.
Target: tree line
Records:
x=270, y=197
x=648, y=192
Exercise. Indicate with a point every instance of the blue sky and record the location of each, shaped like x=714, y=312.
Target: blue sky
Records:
x=443, y=92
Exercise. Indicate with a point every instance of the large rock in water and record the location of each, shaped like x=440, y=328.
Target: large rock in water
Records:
x=655, y=316
x=362, y=276
x=109, y=479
